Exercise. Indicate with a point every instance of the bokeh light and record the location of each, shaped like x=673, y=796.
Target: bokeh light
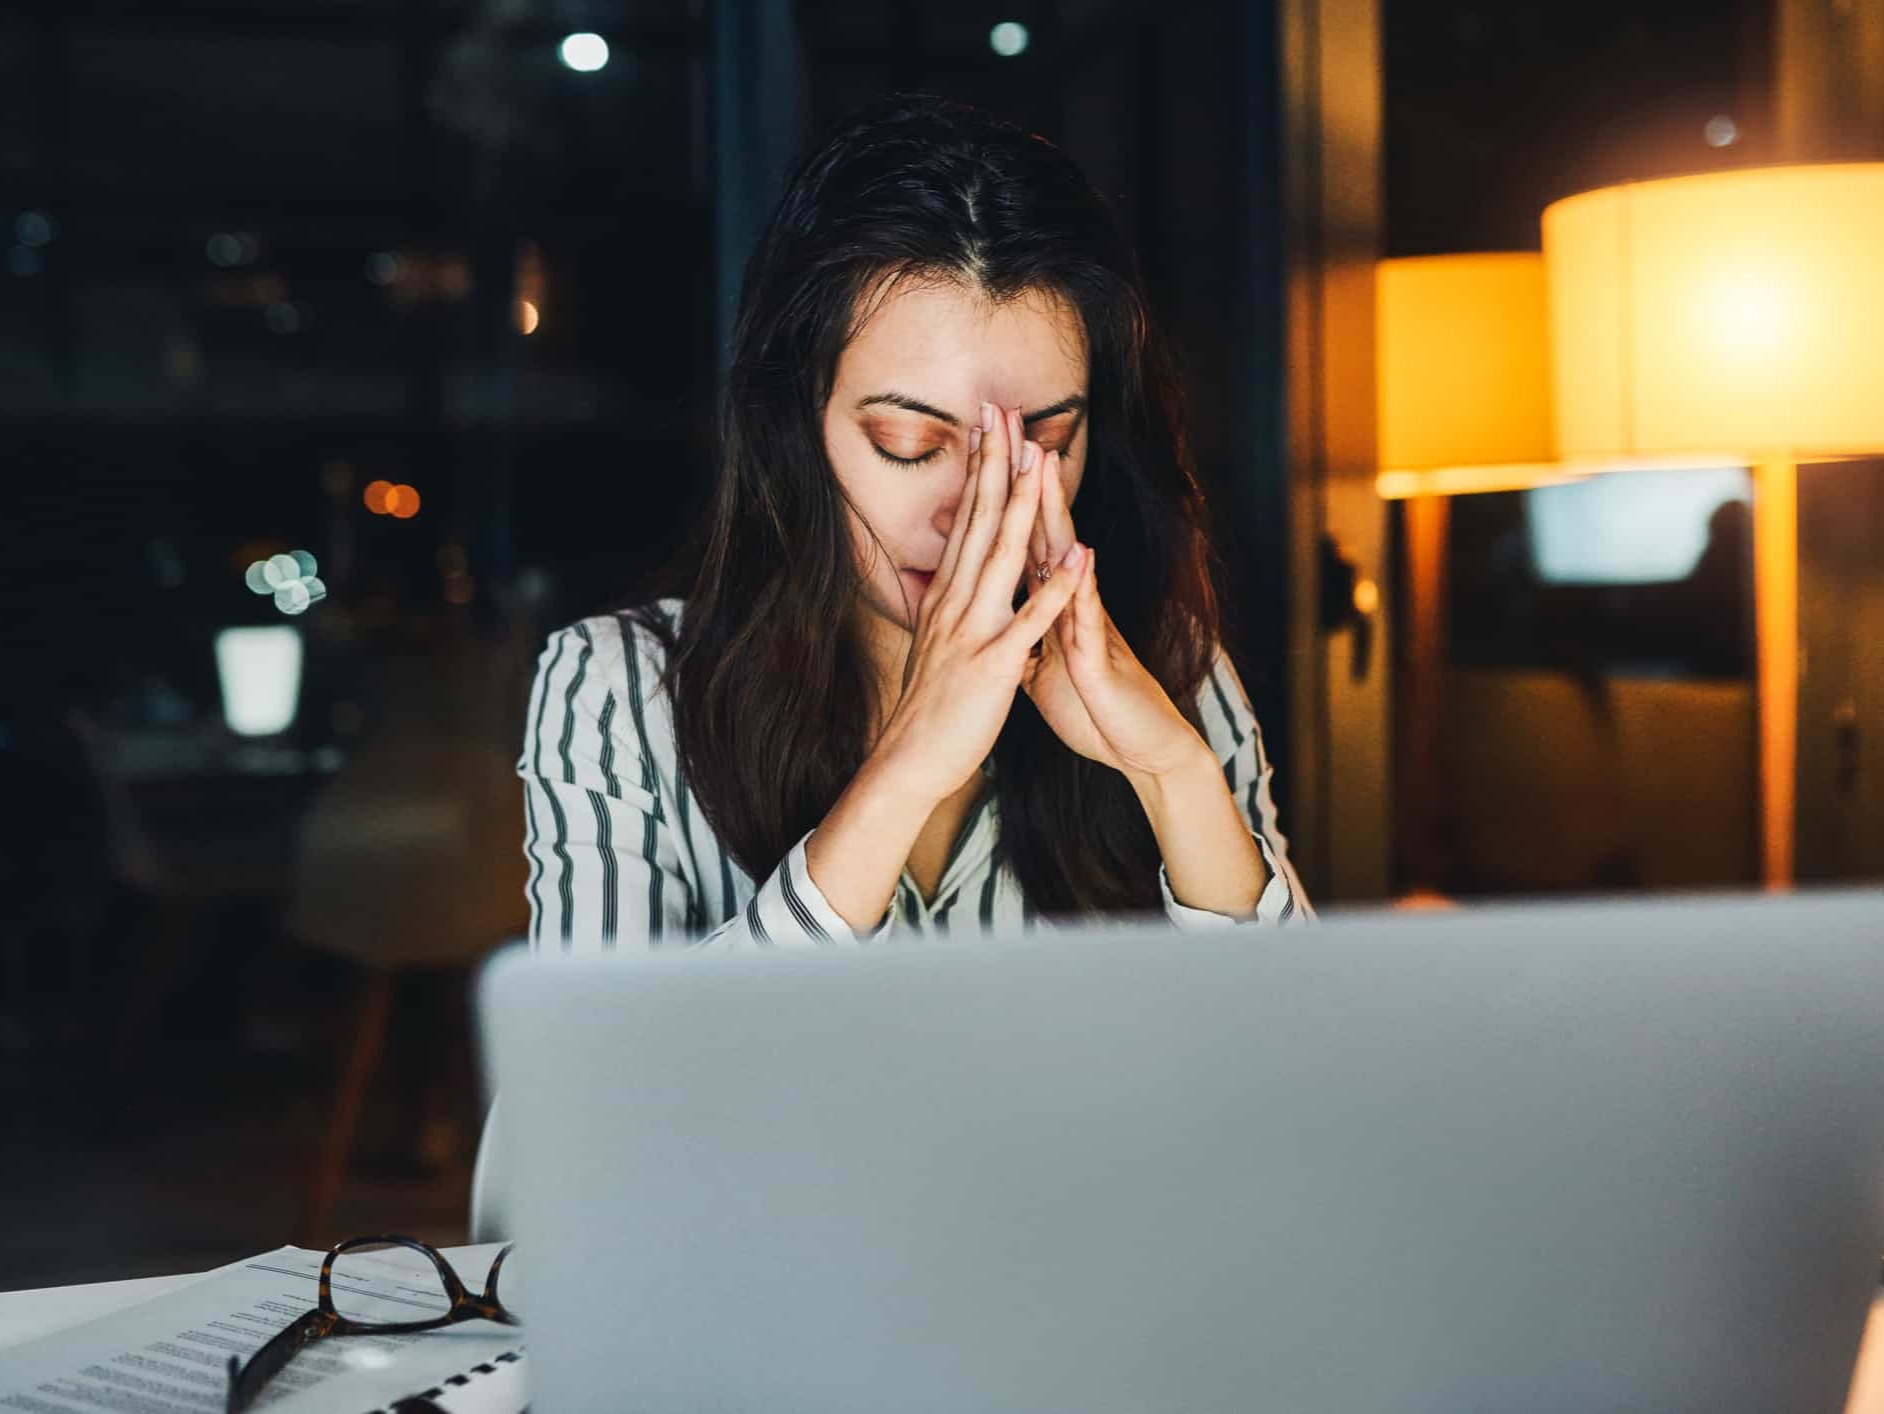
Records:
x=527, y=316
x=1008, y=39
x=292, y=597
x=227, y=249
x=290, y=578
x=585, y=53
x=376, y=495
x=402, y=503
x=382, y=267
x=34, y=228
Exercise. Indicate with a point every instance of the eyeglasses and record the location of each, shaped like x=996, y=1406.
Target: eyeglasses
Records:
x=329, y=1318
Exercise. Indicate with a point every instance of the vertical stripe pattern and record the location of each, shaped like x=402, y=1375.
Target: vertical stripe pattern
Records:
x=620, y=852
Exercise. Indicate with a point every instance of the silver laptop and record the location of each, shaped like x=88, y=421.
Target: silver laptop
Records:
x=1612, y=1156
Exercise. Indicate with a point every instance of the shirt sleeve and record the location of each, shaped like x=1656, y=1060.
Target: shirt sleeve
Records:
x=606, y=862
x=1230, y=727
x=789, y=909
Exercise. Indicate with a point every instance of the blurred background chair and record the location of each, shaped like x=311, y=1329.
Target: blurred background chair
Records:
x=410, y=866
x=195, y=824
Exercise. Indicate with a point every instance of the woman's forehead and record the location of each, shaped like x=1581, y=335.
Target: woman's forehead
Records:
x=963, y=347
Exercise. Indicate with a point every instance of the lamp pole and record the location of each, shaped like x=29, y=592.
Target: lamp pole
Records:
x=1776, y=630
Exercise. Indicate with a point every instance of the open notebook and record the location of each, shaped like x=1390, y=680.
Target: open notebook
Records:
x=170, y=1352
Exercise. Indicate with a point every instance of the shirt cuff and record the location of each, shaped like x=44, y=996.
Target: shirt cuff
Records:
x=795, y=876
x=1276, y=906
x=802, y=914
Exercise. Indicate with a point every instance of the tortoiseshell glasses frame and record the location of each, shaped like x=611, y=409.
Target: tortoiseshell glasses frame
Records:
x=247, y=1378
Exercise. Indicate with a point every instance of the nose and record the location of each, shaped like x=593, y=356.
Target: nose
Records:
x=951, y=504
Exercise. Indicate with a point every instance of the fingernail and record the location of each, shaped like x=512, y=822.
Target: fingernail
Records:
x=974, y=437
x=1071, y=557
x=1030, y=456
x=987, y=417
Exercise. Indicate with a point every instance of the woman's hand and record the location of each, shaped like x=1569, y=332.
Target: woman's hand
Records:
x=971, y=647
x=1086, y=682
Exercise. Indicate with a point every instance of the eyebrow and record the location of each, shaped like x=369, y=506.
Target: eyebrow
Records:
x=1072, y=403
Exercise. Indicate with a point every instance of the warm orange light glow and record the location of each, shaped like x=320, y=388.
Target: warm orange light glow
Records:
x=404, y=502
x=1461, y=362
x=1469, y=480
x=1738, y=313
x=1776, y=636
x=1425, y=901
x=1733, y=312
x=375, y=496
x=527, y=316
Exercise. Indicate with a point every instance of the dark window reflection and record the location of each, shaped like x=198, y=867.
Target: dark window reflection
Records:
x=1638, y=574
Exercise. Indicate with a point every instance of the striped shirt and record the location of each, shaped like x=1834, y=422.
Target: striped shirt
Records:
x=618, y=848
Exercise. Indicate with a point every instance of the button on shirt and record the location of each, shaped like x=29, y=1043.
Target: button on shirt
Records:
x=620, y=854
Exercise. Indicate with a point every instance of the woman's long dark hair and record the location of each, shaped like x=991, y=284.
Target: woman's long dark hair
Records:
x=772, y=696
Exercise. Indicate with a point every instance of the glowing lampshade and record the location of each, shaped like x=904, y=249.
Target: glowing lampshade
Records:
x=260, y=672
x=1463, y=373
x=1731, y=312
x=1737, y=313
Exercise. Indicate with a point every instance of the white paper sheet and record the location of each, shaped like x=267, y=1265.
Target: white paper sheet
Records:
x=169, y=1355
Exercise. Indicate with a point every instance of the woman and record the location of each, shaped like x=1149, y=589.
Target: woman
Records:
x=847, y=730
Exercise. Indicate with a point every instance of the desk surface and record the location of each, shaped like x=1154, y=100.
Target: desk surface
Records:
x=25, y=1314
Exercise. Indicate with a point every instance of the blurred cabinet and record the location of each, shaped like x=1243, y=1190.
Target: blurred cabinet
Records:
x=1558, y=782
x=1576, y=694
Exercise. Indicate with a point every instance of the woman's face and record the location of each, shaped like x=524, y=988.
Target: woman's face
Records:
x=910, y=386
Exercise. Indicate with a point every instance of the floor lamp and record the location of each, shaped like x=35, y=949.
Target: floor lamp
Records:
x=1463, y=382
x=1728, y=316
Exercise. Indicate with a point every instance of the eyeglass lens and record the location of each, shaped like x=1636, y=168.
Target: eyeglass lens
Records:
x=381, y=1283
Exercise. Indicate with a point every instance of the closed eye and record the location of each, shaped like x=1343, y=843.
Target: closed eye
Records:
x=928, y=456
